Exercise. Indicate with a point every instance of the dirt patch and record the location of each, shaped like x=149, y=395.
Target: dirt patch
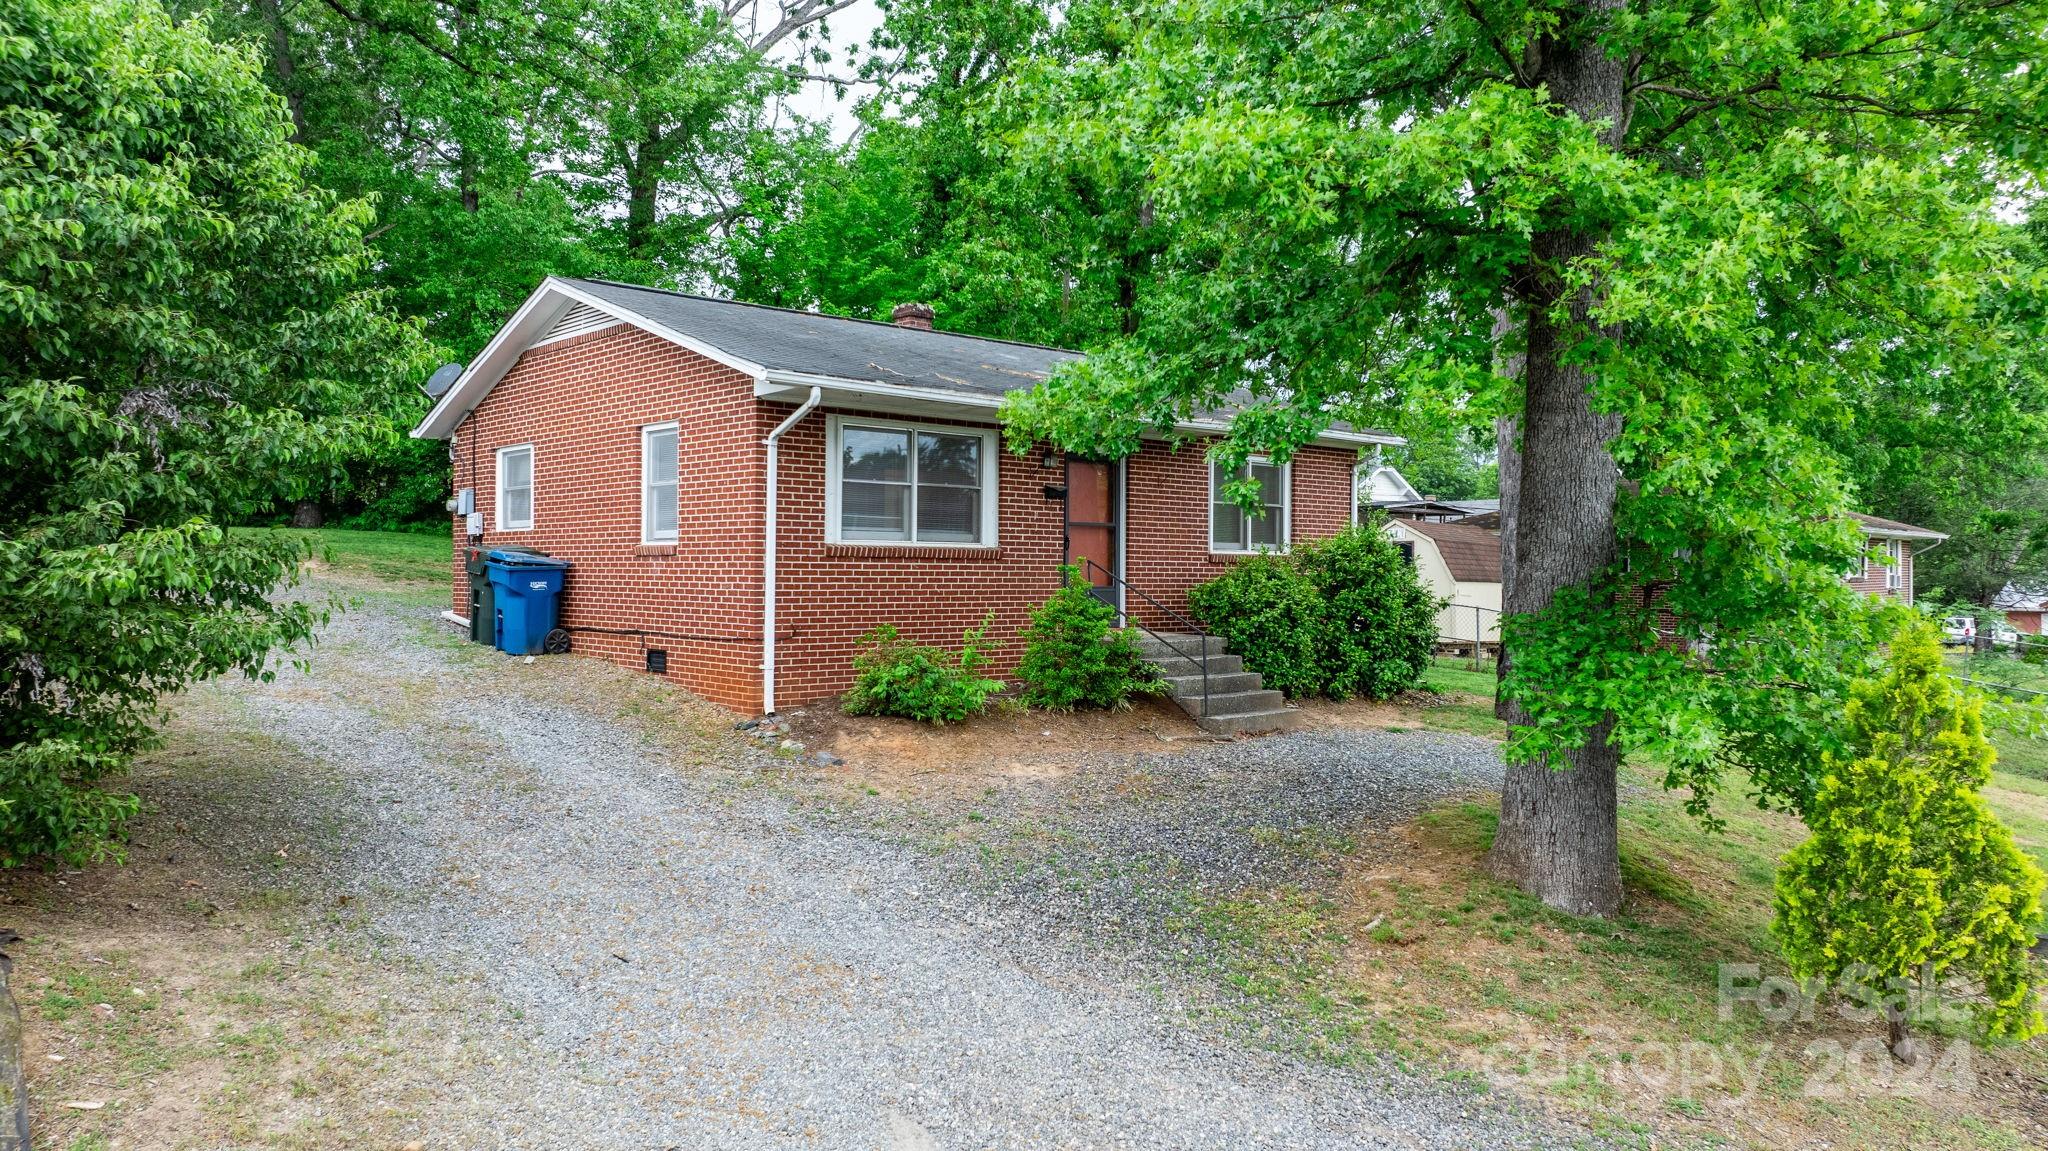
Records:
x=1403, y=711
x=903, y=758
x=1417, y=710
x=194, y=997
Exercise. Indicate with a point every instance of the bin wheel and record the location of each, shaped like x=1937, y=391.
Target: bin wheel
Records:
x=556, y=643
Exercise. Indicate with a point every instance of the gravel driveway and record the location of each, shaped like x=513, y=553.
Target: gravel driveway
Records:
x=707, y=950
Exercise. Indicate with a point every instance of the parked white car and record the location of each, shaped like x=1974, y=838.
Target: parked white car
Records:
x=1958, y=630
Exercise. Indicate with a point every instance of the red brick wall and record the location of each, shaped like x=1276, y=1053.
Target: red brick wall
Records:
x=1167, y=530
x=582, y=402
x=1871, y=580
x=831, y=594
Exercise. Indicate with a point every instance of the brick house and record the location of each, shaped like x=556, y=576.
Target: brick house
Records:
x=747, y=490
x=2024, y=607
x=1888, y=559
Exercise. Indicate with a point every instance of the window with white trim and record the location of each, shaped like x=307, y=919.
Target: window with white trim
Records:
x=891, y=482
x=515, y=488
x=1230, y=529
x=658, y=460
x=1895, y=572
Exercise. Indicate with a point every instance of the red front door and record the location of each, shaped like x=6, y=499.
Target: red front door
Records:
x=1091, y=522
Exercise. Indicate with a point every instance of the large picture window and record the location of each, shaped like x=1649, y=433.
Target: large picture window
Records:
x=515, y=488
x=909, y=483
x=658, y=483
x=1230, y=529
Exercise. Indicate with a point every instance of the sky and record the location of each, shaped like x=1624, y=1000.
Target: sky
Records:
x=850, y=28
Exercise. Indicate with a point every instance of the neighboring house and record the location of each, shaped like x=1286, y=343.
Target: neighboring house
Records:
x=1460, y=564
x=748, y=490
x=1888, y=562
x=2023, y=608
x=1383, y=484
x=1459, y=560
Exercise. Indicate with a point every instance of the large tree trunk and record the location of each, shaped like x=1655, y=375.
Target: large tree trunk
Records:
x=281, y=62
x=1558, y=838
x=643, y=192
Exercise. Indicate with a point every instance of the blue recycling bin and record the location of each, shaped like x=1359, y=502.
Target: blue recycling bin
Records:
x=528, y=592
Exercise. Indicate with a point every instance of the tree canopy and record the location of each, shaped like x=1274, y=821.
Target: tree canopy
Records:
x=187, y=328
x=1676, y=248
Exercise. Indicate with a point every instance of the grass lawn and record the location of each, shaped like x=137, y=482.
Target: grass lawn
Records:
x=1421, y=956
x=393, y=556
x=1464, y=698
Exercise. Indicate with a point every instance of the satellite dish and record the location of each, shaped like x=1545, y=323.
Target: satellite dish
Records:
x=444, y=377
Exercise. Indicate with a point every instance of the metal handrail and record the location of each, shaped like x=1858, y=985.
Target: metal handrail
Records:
x=1130, y=621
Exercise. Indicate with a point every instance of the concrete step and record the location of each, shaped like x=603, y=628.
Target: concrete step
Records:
x=1176, y=668
x=1219, y=683
x=1163, y=644
x=1252, y=722
x=1232, y=703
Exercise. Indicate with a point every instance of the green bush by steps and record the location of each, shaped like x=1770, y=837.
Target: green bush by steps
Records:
x=1340, y=617
x=1075, y=656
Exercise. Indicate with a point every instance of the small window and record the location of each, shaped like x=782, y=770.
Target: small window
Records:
x=658, y=484
x=1895, y=572
x=515, y=488
x=896, y=483
x=1230, y=529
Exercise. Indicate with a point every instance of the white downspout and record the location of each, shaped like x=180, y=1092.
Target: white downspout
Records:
x=774, y=442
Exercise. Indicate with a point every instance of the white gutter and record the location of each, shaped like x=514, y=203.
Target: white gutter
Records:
x=773, y=443
x=776, y=383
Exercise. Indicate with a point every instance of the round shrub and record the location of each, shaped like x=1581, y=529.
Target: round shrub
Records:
x=1075, y=657
x=1270, y=613
x=1379, y=622
x=896, y=676
x=1337, y=617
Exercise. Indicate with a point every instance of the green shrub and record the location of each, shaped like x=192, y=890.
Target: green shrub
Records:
x=1270, y=613
x=896, y=676
x=1338, y=617
x=1907, y=875
x=2034, y=648
x=1379, y=621
x=1074, y=656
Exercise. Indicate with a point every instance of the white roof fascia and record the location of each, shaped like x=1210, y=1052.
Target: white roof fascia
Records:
x=670, y=334
x=778, y=384
x=1897, y=534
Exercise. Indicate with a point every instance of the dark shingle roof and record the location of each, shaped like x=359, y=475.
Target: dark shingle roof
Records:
x=782, y=339
x=1880, y=524
x=1472, y=554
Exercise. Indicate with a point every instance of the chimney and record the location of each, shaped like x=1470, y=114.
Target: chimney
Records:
x=917, y=316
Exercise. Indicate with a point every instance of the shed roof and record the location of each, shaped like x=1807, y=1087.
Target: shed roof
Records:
x=2013, y=597
x=1472, y=554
